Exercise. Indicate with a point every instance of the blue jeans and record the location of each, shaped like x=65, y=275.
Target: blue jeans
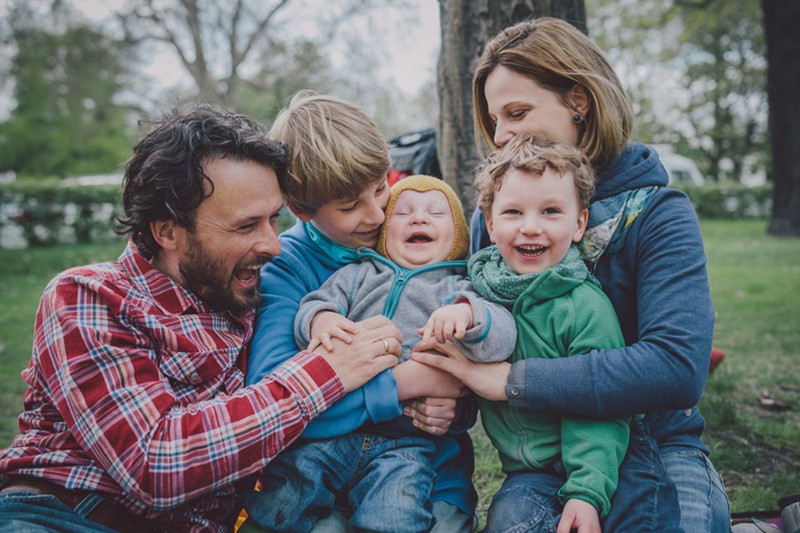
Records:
x=449, y=519
x=36, y=513
x=383, y=484
x=703, y=501
x=645, y=499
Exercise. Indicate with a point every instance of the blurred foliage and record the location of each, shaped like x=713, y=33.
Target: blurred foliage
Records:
x=696, y=72
x=729, y=200
x=67, y=120
x=49, y=213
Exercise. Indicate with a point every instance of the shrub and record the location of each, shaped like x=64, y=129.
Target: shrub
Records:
x=49, y=213
x=730, y=200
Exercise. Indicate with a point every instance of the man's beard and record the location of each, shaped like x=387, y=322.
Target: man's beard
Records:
x=205, y=275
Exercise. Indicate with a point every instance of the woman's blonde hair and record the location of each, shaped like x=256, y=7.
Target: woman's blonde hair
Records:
x=558, y=57
x=335, y=150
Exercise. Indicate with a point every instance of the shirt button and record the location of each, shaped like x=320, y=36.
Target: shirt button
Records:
x=195, y=377
x=514, y=391
x=687, y=412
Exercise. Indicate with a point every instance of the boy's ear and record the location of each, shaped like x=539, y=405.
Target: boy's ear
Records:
x=583, y=219
x=166, y=233
x=299, y=213
x=579, y=99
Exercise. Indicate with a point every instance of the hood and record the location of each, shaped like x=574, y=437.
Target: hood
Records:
x=637, y=166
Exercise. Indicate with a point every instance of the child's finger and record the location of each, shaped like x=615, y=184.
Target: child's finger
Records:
x=326, y=342
x=340, y=334
x=461, y=330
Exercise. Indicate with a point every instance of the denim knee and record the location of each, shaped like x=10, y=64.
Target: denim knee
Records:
x=32, y=513
x=704, y=505
x=392, y=492
x=527, y=501
x=646, y=498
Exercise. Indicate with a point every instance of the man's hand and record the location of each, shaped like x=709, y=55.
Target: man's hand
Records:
x=432, y=415
x=327, y=325
x=487, y=380
x=579, y=516
x=372, y=350
x=448, y=322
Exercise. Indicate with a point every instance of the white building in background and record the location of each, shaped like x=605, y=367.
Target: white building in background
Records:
x=681, y=169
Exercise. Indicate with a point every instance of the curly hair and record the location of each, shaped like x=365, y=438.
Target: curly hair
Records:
x=527, y=153
x=164, y=178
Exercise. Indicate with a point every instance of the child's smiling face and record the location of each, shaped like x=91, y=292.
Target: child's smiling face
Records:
x=356, y=221
x=535, y=218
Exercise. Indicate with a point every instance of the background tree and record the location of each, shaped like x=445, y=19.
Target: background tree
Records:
x=695, y=71
x=251, y=55
x=783, y=82
x=466, y=27
x=67, y=82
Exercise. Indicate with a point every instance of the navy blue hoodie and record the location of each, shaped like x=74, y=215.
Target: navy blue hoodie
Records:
x=658, y=285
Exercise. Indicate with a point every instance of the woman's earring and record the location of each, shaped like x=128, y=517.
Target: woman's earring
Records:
x=576, y=118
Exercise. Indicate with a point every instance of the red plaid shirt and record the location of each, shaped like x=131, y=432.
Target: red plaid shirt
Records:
x=134, y=392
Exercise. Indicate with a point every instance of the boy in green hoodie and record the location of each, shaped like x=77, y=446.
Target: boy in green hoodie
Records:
x=534, y=195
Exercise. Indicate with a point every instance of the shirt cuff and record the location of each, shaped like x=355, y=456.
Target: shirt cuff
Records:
x=312, y=381
x=515, y=386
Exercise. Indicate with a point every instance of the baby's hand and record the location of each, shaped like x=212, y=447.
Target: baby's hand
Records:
x=327, y=325
x=448, y=322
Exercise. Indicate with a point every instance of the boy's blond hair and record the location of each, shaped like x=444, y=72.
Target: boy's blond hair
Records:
x=335, y=150
x=529, y=154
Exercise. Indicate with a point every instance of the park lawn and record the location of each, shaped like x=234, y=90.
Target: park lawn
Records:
x=755, y=284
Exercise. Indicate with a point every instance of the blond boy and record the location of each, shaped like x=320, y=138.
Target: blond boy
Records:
x=336, y=186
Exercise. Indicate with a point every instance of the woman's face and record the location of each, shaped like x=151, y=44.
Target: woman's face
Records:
x=518, y=104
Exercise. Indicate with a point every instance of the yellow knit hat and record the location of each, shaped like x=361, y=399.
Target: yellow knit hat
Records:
x=422, y=183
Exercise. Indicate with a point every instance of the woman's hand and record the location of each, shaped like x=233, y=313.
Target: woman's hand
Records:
x=415, y=380
x=487, y=380
x=432, y=415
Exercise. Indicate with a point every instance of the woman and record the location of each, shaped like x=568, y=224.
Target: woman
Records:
x=643, y=243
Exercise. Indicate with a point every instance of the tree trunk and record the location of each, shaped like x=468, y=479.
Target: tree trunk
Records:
x=466, y=27
x=783, y=86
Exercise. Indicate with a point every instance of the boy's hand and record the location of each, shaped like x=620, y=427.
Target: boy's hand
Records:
x=579, y=516
x=448, y=322
x=432, y=415
x=326, y=326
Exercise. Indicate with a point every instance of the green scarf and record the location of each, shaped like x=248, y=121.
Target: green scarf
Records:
x=609, y=222
x=493, y=280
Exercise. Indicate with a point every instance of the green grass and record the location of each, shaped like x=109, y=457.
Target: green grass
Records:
x=23, y=276
x=755, y=283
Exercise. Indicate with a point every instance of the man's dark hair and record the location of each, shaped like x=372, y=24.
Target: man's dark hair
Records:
x=164, y=176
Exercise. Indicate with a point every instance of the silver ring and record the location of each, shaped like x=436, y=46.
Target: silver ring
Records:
x=385, y=346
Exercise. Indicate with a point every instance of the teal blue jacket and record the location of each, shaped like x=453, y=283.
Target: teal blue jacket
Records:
x=306, y=261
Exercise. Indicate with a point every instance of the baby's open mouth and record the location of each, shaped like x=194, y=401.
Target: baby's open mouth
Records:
x=419, y=238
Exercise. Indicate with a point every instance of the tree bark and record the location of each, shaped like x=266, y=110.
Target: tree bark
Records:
x=466, y=26
x=783, y=86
